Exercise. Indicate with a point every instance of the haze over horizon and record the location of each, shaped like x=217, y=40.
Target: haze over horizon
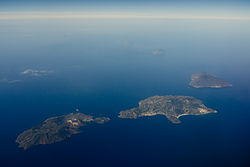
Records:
x=168, y=78
x=194, y=9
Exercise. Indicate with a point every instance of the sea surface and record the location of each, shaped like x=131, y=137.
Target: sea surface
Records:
x=103, y=66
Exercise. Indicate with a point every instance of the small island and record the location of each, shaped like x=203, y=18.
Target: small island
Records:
x=56, y=129
x=173, y=107
x=204, y=80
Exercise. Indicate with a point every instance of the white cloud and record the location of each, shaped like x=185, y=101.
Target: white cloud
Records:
x=5, y=80
x=14, y=81
x=35, y=73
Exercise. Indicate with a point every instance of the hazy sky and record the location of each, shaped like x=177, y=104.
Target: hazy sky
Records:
x=127, y=1
x=130, y=3
x=236, y=9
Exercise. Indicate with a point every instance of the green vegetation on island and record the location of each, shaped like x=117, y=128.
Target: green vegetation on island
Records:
x=204, y=80
x=56, y=129
x=173, y=107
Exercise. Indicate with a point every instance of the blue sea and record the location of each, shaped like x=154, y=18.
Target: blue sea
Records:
x=103, y=66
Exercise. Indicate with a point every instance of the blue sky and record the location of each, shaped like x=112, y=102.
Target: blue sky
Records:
x=35, y=3
x=220, y=8
x=132, y=1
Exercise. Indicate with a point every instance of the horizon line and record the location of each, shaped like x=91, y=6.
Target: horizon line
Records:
x=112, y=15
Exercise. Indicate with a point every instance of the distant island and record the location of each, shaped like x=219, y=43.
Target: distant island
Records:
x=173, y=107
x=158, y=52
x=56, y=129
x=204, y=80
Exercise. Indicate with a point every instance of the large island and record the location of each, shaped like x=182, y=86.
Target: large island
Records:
x=204, y=80
x=56, y=129
x=173, y=107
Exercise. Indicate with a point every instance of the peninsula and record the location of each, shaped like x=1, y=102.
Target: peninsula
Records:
x=173, y=107
x=204, y=80
x=56, y=129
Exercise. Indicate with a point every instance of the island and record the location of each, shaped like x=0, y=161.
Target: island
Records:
x=158, y=52
x=173, y=107
x=56, y=129
x=204, y=80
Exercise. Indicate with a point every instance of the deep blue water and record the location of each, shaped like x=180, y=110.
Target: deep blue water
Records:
x=105, y=66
